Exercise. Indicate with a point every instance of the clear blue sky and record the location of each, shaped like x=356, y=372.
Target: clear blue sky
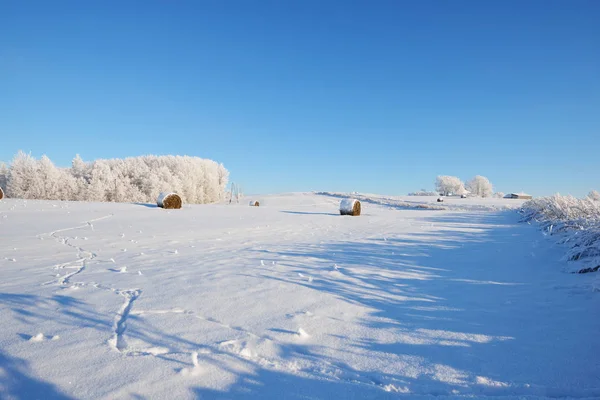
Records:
x=370, y=96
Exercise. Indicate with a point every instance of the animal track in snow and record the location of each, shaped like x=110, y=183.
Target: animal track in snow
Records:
x=171, y=311
x=302, y=334
x=117, y=342
x=65, y=279
x=40, y=337
x=195, y=370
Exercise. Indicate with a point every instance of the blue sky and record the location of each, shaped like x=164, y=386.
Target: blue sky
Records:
x=297, y=95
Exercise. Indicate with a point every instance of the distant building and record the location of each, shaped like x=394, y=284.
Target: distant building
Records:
x=521, y=196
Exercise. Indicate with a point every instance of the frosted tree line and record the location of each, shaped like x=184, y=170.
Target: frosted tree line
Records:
x=479, y=186
x=134, y=179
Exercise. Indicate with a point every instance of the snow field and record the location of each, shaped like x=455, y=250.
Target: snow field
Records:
x=288, y=300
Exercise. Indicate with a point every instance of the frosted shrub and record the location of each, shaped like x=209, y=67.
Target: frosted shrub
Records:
x=574, y=221
x=594, y=195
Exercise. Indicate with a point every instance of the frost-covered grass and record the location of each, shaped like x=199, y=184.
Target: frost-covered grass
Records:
x=575, y=222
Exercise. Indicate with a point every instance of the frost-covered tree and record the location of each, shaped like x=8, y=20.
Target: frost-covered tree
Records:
x=222, y=179
x=79, y=169
x=47, y=179
x=449, y=185
x=80, y=172
x=22, y=177
x=499, y=195
x=480, y=186
x=3, y=175
x=594, y=195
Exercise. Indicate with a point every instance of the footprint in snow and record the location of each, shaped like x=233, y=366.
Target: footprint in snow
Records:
x=40, y=337
x=302, y=334
x=195, y=370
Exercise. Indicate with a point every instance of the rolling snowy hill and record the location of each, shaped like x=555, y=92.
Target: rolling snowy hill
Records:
x=289, y=300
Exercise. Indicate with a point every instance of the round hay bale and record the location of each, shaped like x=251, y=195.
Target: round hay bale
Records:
x=1, y=194
x=350, y=207
x=440, y=200
x=168, y=200
x=254, y=203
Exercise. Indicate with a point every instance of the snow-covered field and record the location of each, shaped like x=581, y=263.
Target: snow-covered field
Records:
x=289, y=300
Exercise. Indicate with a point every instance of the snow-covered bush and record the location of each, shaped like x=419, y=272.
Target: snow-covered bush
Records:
x=480, y=186
x=499, y=195
x=446, y=185
x=594, y=195
x=574, y=221
x=134, y=179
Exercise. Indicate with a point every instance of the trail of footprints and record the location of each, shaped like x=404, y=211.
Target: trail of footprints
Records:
x=117, y=342
x=244, y=348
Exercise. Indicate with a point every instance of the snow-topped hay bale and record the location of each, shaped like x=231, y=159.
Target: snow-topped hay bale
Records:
x=169, y=200
x=350, y=207
x=1, y=194
x=254, y=203
x=440, y=200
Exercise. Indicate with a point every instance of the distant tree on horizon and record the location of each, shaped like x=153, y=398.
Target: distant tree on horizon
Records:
x=480, y=186
x=446, y=185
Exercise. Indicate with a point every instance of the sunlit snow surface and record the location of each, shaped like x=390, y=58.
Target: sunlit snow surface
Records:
x=290, y=300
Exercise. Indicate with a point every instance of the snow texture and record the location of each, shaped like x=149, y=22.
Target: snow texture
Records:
x=126, y=301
